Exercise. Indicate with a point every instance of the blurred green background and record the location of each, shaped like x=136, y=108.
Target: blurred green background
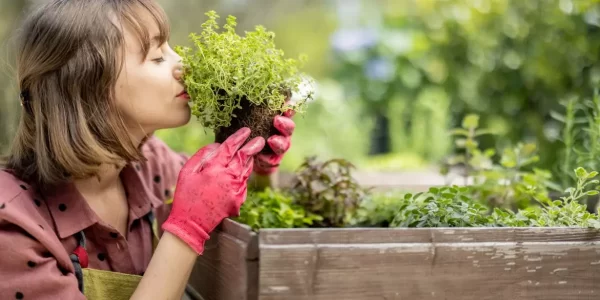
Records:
x=394, y=77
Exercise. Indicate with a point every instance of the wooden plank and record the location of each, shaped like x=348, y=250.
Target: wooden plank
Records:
x=423, y=235
x=243, y=233
x=228, y=268
x=496, y=263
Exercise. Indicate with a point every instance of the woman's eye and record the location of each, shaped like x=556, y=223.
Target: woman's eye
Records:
x=159, y=60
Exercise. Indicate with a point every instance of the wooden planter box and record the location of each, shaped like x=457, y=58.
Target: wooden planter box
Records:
x=399, y=263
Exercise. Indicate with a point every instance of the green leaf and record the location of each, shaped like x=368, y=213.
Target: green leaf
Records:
x=460, y=143
x=489, y=152
x=460, y=132
x=470, y=121
x=592, y=193
x=481, y=132
x=581, y=173
x=557, y=116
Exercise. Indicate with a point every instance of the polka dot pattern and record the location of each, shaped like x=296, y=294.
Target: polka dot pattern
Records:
x=60, y=212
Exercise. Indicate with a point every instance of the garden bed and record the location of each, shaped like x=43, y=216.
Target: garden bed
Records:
x=399, y=263
x=331, y=233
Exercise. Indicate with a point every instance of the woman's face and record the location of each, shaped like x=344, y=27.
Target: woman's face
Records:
x=149, y=91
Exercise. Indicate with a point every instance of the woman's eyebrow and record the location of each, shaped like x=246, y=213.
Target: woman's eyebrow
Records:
x=156, y=40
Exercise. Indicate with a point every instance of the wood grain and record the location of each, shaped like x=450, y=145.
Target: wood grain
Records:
x=228, y=268
x=424, y=235
x=468, y=263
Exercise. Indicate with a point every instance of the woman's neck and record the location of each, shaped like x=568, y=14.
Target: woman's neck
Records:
x=106, y=179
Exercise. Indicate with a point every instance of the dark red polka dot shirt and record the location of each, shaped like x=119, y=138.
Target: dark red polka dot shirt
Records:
x=37, y=231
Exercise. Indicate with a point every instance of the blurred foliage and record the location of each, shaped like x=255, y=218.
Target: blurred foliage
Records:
x=505, y=60
x=580, y=136
x=11, y=12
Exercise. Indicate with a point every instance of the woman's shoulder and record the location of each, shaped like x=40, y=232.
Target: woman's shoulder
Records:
x=22, y=205
x=34, y=262
x=11, y=186
x=25, y=219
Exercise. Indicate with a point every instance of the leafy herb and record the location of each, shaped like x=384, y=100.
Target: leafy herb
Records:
x=329, y=190
x=271, y=209
x=564, y=212
x=378, y=209
x=440, y=207
x=223, y=68
x=455, y=207
x=507, y=184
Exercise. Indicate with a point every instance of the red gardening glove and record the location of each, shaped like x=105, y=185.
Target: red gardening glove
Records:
x=266, y=164
x=212, y=186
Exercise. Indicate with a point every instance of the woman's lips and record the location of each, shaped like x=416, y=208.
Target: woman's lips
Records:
x=183, y=95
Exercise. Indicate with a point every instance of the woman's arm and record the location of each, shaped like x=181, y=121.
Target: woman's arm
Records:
x=169, y=270
x=211, y=186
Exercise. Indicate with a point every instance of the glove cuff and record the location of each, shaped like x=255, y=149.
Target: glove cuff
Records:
x=192, y=234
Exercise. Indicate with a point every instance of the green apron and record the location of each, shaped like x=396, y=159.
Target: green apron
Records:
x=104, y=285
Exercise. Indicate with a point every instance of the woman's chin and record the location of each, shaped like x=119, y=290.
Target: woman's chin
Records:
x=181, y=121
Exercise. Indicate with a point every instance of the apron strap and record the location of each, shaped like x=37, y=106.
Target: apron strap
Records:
x=79, y=257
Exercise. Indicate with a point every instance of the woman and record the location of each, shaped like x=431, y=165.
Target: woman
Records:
x=85, y=179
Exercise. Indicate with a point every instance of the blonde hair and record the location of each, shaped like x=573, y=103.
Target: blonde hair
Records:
x=70, y=54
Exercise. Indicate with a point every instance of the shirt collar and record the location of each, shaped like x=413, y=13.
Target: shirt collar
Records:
x=141, y=197
x=71, y=213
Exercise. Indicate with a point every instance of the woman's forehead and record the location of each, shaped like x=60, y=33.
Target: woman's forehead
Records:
x=144, y=28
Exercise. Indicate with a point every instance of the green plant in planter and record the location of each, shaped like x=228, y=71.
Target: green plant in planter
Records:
x=513, y=182
x=378, y=209
x=328, y=189
x=236, y=81
x=568, y=211
x=456, y=207
x=441, y=207
x=274, y=209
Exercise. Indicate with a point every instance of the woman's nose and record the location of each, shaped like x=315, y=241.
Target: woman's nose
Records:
x=178, y=73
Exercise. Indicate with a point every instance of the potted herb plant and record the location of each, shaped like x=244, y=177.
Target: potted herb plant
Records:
x=239, y=81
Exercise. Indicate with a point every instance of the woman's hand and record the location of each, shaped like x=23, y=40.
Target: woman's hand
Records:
x=267, y=164
x=211, y=187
